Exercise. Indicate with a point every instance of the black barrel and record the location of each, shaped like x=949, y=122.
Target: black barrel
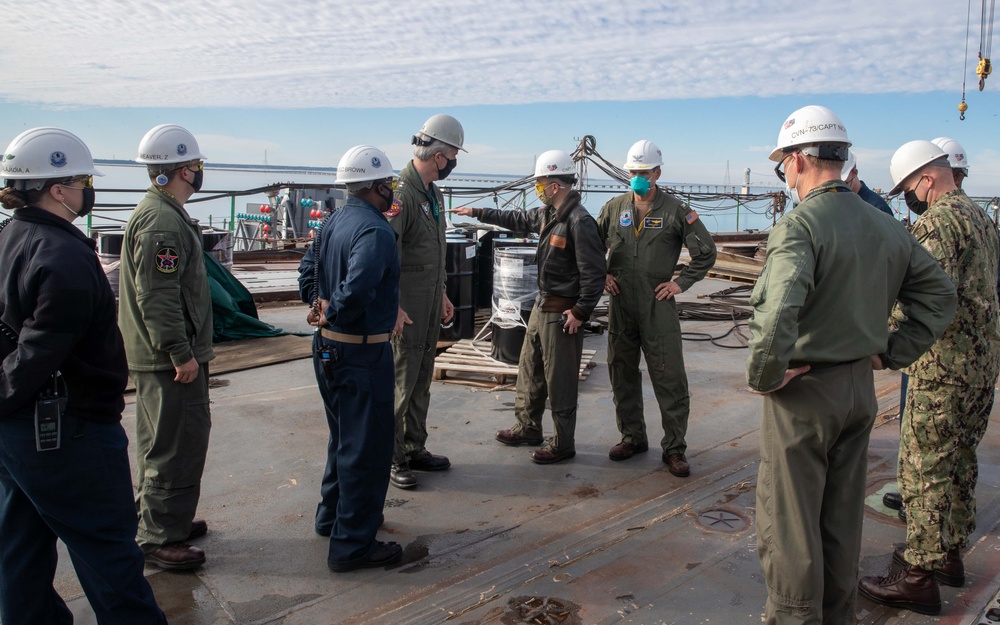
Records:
x=460, y=267
x=109, y=251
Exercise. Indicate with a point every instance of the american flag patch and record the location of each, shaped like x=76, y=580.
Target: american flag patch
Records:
x=691, y=217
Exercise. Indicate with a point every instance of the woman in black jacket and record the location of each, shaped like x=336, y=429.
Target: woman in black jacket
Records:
x=64, y=466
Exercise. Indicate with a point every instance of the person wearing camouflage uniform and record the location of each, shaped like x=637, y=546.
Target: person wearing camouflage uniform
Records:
x=949, y=398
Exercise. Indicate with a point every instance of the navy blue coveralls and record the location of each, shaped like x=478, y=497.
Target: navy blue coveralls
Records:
x=56, y=300
x=359, y=276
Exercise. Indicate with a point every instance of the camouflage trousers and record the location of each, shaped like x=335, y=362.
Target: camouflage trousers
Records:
x=941, y=428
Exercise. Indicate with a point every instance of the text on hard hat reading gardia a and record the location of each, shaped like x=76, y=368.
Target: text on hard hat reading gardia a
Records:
x=812, y=129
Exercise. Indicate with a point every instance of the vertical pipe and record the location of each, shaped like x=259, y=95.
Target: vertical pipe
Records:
x=232, y=213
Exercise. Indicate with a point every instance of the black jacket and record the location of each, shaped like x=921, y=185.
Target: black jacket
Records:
x=571, y=262
x=57, y=299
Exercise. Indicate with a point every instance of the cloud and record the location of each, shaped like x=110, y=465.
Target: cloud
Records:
x=380, y=54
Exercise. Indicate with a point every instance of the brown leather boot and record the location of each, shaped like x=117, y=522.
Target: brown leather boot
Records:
x=910, y=588
x=951, y=573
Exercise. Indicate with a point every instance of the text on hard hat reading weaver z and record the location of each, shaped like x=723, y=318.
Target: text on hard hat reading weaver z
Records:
x=812, y=129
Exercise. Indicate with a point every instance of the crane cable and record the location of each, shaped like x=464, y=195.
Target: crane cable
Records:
x=984, y=68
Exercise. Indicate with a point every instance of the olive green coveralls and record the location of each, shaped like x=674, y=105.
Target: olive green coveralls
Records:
x=165, y=315
x=643, y=254
x=416, y=216
x=835, y=267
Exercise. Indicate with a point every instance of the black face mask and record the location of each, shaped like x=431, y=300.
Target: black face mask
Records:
x=86, y=205
x=199, y=178
x=912, y=203
x=448, y=168
x=388, y=199
x=89, y=197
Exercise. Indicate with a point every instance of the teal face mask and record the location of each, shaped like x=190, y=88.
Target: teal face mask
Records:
x=639, y=184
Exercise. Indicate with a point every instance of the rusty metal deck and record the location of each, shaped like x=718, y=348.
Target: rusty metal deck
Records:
x=497, y=539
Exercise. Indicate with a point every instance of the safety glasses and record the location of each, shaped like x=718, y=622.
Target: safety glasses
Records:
x=777, y=168
x=86, y=181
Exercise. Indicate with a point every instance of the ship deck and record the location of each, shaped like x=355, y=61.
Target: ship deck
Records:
x=498, y=539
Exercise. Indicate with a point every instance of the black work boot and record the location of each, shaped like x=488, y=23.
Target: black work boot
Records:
x=911, y=588
x=951, y=573
x=893, y=501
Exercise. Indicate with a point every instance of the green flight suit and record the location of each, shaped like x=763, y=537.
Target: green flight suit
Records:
x=416, y=214
x=165, y=315
x=641, y=256
x=951, y=390
x=835, y=267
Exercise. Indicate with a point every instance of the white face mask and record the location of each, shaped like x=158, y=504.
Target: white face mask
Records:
x=792, y=193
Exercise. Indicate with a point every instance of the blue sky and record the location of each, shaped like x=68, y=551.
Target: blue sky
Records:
x=709, y=82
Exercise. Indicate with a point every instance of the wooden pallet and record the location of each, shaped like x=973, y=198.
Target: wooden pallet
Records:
x=470, y=363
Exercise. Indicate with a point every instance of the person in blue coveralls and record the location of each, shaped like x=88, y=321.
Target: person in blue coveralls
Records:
x=351, y=277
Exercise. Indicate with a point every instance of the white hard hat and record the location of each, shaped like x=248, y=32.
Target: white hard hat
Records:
x=956, y=153
x=362, y=163
x=554, y=163
x=168, y=143
x=444, y=128
x=849, y=165
x=812, y=126
x=643, y=155
x=911, y=157
x=41, y=154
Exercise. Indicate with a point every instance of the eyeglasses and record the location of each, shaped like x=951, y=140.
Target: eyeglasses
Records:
x=199, y=166
x=391, y=183
x=777, y=168
x=86, y=181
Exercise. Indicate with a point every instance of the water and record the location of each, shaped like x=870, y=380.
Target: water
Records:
x=114, y=203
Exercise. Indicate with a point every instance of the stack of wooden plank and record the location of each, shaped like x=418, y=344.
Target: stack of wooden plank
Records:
x=471, y=364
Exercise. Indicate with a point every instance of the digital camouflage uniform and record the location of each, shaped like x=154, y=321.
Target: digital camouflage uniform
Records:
x=642, y=256
x=416, y=216
x=819, y=303
x=165, y=315
x=951, y=388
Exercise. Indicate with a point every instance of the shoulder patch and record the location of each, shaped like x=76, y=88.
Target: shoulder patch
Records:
x=691, y=217
x=166, y=260
x=393, y=210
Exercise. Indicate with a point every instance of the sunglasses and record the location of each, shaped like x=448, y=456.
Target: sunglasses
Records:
x=86, y=181
x=777, y=168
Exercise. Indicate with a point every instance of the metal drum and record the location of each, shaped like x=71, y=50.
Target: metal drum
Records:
x=109, y=252
x=460, y=267
x=515, y=285
x=219, y=243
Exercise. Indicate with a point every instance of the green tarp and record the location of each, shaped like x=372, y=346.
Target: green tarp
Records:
x=234, y=314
